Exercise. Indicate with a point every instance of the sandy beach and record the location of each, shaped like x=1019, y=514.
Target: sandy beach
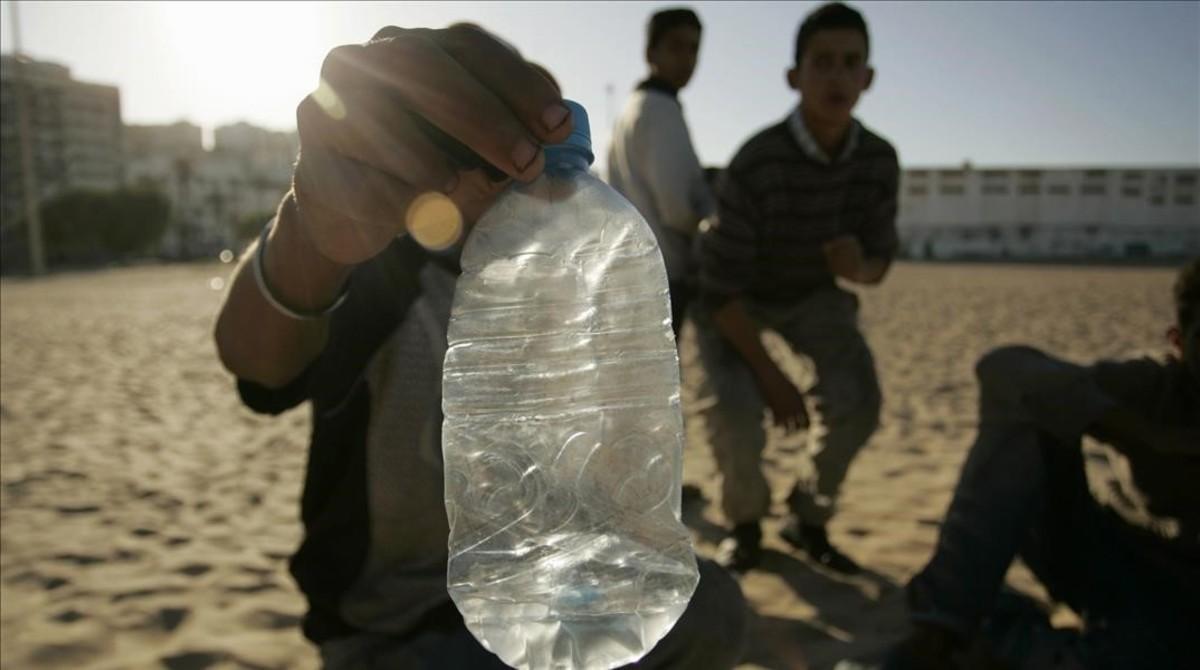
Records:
x=146, y=517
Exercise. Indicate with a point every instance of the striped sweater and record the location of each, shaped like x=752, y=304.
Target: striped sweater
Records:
x=781, y=199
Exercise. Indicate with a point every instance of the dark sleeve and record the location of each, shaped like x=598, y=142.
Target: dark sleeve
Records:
x=1019, y=383
x=265, y=400
x=379, y=294
x=1136, y=383
x=729, y=248
x=879, y=237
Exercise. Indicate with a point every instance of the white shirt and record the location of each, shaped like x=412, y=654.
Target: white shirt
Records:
x=652, y=162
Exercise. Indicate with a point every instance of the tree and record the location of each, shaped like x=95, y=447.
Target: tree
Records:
x=87, y=227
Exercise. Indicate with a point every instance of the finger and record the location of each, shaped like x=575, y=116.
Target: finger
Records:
x=436, y=86
x=500, y=68
x=372, y=200
x=368, y=128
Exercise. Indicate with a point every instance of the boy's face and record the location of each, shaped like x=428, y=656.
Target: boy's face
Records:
x=832, y=74
x=673, y=58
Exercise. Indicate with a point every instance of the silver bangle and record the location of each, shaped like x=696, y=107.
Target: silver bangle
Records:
x=260, y=277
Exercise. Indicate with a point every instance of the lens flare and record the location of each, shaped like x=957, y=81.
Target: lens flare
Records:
x=329, y=101
x=434, y=221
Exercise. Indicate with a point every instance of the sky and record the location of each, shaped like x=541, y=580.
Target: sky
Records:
x=1001, y=83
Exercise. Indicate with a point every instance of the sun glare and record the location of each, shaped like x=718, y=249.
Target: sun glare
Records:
x=268, y=53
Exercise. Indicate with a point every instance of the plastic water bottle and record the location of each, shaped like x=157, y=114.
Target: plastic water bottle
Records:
x=563, y=436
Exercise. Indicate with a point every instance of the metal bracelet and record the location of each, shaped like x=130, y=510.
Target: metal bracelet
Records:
x=260, y=277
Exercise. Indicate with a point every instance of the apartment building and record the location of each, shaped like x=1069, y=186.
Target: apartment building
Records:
x=1050, y=213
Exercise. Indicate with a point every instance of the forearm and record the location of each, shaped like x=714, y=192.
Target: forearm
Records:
x=872, y=271
x=1121, y=426
x=254, y=340
x=741, y=330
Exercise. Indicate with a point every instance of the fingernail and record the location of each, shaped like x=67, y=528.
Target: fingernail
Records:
x=555, y=115
x=524, y=154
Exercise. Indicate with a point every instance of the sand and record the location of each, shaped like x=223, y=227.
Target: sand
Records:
x=146, y=517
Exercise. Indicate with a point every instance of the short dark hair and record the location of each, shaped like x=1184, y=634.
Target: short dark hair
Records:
x=830, y=16
x=663, y=21
x=1187, y=294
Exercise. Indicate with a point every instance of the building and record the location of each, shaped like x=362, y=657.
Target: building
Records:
x=1059, y=213
x=246, y=174
x=76, y=134
x=180, y=139
x=267, y=152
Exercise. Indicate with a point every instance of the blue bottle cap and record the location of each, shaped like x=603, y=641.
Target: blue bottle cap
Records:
x=580, y=138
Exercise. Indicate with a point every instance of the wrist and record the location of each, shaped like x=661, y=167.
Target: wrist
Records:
x=300, y=274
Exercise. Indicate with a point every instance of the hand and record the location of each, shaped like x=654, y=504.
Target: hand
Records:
x=785, y=400
x=844, y=255
x=366, y=148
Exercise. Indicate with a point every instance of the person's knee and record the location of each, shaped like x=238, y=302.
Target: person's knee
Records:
x=716, y=619
x=996, y=366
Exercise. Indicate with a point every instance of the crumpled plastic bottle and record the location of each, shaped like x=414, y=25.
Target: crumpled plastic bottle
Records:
x=563, y=434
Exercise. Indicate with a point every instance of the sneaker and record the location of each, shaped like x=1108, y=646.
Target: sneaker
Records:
x=814, y=541
x=742, y=550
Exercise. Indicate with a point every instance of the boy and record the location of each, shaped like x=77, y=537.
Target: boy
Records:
x=341, y=306
x=1130, y=569
x=804, y=202
x=651, y=160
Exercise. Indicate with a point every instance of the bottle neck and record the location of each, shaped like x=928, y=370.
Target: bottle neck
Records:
x=566, y=158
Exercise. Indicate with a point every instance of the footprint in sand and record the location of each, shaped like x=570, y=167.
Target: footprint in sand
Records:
x=193, y=660
x=170, y=618
x=74, y=510
x=78, y=559
x=69, y=616
x=270, y=619
x=194, y=569
x=46, y=582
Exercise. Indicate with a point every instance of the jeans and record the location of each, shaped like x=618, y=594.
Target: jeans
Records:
x=844, y=405
x=1023, y=493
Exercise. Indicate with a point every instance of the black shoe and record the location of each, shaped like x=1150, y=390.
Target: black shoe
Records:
x=742, y=550
x=813, y=541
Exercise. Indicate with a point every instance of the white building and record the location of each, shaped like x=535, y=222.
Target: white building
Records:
x=246, y=174
x=75, y=129
x=180, y=139
x=1056, y=213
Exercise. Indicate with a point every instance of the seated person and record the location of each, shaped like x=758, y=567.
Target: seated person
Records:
x=1130, y=569
x=341, y=306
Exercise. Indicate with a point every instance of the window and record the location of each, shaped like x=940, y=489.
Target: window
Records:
x=1184, y=199
x=1091, y=174
x=1060, y=189
x=993, y=174
x=1030, y=174
x=1134, y=176
x=995, y=189
x=951, y=189
x=1093, y=189
x=917, y=190
x=1030, y=189
x=1157, y=200
x=1185, y=179
x=917, y=173
x=1131, y=192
